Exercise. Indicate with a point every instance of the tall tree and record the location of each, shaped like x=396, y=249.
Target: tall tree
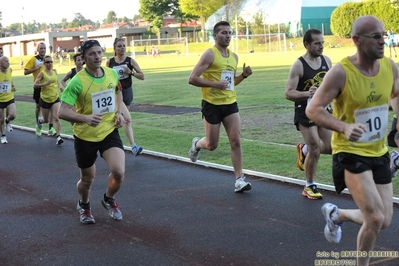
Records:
x=111, y=17
x=201, y=8
x=154, y=11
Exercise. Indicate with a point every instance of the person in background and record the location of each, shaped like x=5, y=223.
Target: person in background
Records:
x=95, y=92
x=77, y=58
x=126, y=67
x=215, y=73
x=391, y=42
x=49, y=101
x=8, y=110
x=34, y=66
x=361, y=87
x=305, y=76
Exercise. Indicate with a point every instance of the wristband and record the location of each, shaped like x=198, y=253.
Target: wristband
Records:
x=243, y=76
x=132, y=74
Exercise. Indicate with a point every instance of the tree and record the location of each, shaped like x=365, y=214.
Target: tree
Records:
x=201, y=8
x=111, y=17
x=154, y=11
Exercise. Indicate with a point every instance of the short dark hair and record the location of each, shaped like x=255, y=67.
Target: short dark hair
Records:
x=307, y=38
x=76, y=56
x=216, y=28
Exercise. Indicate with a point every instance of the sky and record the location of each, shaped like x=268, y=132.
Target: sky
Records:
x=50, y=11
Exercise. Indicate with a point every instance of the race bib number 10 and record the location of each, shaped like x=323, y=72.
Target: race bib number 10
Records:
x=103, y=102
x=376, y=121
x=229, y=77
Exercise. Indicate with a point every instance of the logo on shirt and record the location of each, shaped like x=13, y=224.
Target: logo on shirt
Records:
x=372, y=97
x=372, y=85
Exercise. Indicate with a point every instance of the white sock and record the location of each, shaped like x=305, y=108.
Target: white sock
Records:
x=305, y=149
x=308, y=184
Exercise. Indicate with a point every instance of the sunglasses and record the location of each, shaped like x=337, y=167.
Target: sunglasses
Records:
x=376, y=36
x=48, y=62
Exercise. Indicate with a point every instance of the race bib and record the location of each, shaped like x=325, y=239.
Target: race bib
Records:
x=121, y=74
x=5, y=87
x=376, y=121
x=229, y=77
x=103, y=102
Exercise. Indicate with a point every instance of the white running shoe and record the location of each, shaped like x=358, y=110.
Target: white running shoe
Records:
x=194, y=152
x=4, y=140
x=8, y=127
x=394, y=168
x=242, y=185
x=332, y=231
x=59, y=141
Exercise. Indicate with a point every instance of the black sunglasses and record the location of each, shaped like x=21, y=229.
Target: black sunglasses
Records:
x=376, y=36
x=48, y=62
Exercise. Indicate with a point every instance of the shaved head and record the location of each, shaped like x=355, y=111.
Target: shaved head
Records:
x=364, y=24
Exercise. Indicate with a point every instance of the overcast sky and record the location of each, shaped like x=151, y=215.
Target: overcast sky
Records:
x=50, y=11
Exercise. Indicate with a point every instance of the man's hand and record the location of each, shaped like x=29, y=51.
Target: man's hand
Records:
x=246, y=70
x=354, y=132
x=93, y=120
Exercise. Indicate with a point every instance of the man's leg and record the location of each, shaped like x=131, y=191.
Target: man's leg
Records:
x=374, y=212
x=115, y=159
x=2, y=122
x=232, y=125
x=84, y=184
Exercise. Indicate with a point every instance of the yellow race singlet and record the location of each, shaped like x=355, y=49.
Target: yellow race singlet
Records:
x=364, y=100
x=222, y=68
x=6, y=93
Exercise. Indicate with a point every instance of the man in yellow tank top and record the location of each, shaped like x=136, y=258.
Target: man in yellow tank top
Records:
x=361, y=87
x=215, y=73
x=7, y=101
x=95, y=93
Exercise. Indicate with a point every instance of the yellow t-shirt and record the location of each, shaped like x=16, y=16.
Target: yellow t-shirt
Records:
x=34, y=61
x=364, y=100
x=49, y=93
x=6, y=93
x=93, y=95
x=222, y=68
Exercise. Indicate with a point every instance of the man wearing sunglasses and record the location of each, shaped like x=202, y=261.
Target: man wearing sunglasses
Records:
x=361, y=87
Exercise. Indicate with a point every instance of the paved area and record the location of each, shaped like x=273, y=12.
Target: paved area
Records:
x=175, y=213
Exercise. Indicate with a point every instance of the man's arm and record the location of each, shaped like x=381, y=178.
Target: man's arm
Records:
x=333, y=84
x=291, y=92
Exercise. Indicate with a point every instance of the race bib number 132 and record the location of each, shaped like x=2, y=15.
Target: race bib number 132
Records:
x=103, y=102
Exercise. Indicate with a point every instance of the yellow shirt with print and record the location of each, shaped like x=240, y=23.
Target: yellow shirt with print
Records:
x=366, y=100
x=6, y=93
x=214, y=73
x=79, y=93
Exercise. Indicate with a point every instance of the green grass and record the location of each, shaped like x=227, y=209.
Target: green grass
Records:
x=268, y=133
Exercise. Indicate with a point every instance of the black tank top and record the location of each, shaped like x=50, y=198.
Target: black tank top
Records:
x=125, y=82
x=311, y=77
x=73, y=72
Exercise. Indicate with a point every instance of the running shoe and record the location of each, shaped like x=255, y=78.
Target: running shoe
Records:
x=3, y=140
x=194, y=152
x=59, y=141
x=85, y=215
x=8, y=127
x=332, y=231
x=394, y=158
x=38, y=131
x=241, y=185
x=312, y=192
x=300, y=161
x=137, y=150
x=52, y=132
x=113, y=209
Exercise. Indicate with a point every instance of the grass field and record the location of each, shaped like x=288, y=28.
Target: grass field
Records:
x=268, y=133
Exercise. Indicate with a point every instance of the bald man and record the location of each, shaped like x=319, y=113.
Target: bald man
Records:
x=361, y=87
x=7, y=101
